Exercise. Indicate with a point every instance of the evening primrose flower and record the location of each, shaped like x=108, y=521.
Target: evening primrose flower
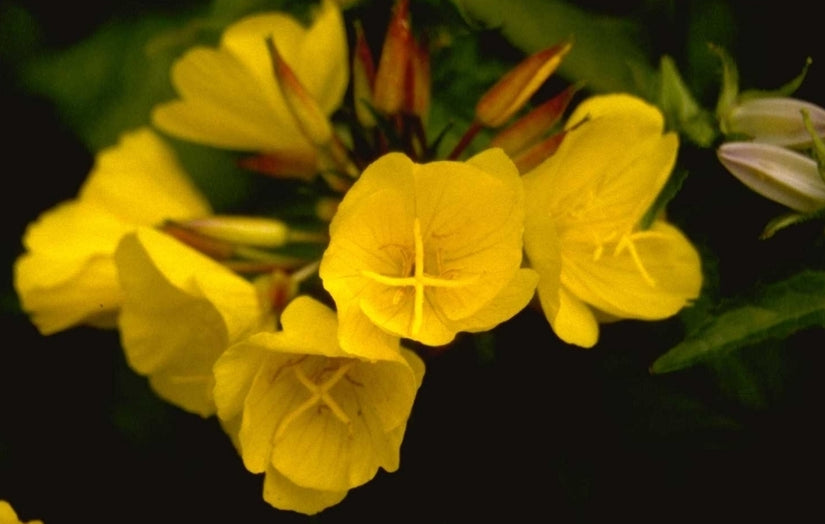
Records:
x=67, y=275
x=180, y=311
x=230, y=97
x=314, y=419
x=9, y=516
x=424, y=251
x=582, y=233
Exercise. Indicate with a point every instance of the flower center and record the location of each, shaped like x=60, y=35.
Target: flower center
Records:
x=416, y=278
x=319, y=390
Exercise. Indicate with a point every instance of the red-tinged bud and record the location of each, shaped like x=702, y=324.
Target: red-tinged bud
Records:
x=390, y=79
x=276, y=289
x=529, y=128
x=302, y=164
x=217, y=249
x=363, y=79
x=537, y=153
x=311, y=120
x=418, y=79
x=513, y=90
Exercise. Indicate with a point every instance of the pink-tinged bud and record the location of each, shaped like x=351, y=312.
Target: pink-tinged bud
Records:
x=302, y=164
x=538, y=153
x=311, y=120
x=242, y=230
x=780, y=174
x=419, y=79
x=529, y=128
x=363, y=79
x=775, y=120
x=391, y=77
x=217, y=249
x=513, y=90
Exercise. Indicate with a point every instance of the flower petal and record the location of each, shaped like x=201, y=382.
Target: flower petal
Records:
x=609, y=188
x=181, y=310
x=229, y=97
x=658, y=280
x=282, y=493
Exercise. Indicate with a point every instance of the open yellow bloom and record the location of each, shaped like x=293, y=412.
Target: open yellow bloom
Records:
x=67, y=275
x=180, y=311
x=424, y=251
x=9, y=516
x=582, y=234
x=314, y=419
x=229, y=96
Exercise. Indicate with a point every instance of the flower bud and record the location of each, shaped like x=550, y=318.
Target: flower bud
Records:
x=775, y=120
x=513, y=90
x=242, y=230
x=780, y=174
x=419, y=77
x=363, y=79
x=309, y=116
x=298, y=163
x=523, y=133
x=534, y=155
x=391, y=77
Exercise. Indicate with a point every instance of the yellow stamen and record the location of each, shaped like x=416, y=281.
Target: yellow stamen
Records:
x=626, y=242
x=320, y=397
x=418, y=280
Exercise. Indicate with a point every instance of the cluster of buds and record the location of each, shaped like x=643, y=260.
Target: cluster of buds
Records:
x=775, y=146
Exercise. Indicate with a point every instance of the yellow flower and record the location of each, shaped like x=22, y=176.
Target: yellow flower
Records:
x=229, y=96
x=8, y=515
x=180, y=311
x=427, y=250
x=582, y=233
x=314, y=419
x=67, y=274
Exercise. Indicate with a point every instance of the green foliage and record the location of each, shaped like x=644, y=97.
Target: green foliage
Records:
x=605, y=54
x=682, y=111
x=108, y=83
x=779, y=310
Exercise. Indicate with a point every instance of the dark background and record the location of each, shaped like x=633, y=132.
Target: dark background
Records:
x=532, y=431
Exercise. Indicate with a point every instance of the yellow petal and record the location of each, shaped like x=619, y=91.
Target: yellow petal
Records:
x=229, y=97
x=67, y=276
x=141, y=181
x=181, y=310
x=318, y=450
x=653, y=276
x=57, y=300
x=284, y=494
x=9, y=516
x=512, y=298
x=234, y=372
x=608, y=170
x=573, y=321
x=417, y=262
x=322, y=419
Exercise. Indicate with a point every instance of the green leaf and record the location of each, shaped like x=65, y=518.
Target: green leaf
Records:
x=109, y=82
x=785, y=90
x=729, y=93
x=681, y=109
x=780, y=310
x=605, y=53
